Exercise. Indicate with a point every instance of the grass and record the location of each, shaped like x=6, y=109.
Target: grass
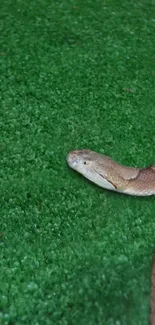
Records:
x=74, y=74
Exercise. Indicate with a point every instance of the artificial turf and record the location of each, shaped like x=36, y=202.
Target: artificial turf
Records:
x=74, y=74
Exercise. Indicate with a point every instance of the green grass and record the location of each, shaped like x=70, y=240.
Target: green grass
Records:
x=72, y=253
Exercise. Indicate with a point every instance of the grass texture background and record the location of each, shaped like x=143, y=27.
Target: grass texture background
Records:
x=74, y=74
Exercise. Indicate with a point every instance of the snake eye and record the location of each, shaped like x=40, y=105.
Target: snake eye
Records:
x=84, y=162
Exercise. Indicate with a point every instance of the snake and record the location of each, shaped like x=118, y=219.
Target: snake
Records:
x=111, y=175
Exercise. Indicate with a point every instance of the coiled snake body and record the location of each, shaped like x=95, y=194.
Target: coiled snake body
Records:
x=107, y=173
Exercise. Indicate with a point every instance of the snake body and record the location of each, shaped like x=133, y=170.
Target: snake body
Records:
x=107, y=173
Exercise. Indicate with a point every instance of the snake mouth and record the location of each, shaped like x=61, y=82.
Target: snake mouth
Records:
x=106, y=180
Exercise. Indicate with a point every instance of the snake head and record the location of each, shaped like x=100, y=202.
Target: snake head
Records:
x=87, y=163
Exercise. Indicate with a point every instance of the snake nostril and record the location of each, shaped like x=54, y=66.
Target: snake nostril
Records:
x=71, y=159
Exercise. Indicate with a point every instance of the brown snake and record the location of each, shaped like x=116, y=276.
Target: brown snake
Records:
x=107, y=173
